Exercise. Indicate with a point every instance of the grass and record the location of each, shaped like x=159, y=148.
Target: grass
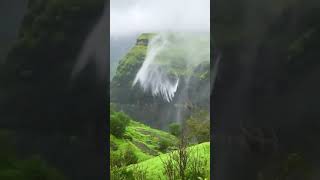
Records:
x=145, y=144
x=154, y=166
x=143, y=139
x=146, y=36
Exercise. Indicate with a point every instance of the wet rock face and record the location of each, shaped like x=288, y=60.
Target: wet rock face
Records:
x=260, y=86
x=154, y=110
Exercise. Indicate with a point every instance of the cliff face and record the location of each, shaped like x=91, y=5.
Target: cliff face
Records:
x=153, y=110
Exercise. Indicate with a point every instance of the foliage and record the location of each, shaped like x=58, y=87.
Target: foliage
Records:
x=172, y=59
x=186, y=163
x=143, y=140
x=197, y=167
x=164, y=144
x=118, y=123
x=175, y=167
x=146, y=36
x=116, y=159
x=130, y=157
x=139, y=173
x=123, y=157
x=135, y=173
x=122, y=173
x=155, y=166
x=145, y=165
x=175, y=129
x=198, y=126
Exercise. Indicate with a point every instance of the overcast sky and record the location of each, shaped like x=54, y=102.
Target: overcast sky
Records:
x=138, y=16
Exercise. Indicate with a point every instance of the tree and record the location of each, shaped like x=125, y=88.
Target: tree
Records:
x=198, y=127
x=118, y=123
x=175, y=129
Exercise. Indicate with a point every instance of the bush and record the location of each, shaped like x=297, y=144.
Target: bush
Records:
x=130, y=157
x=164, y=144
x=175, y=129
x=197, y=167
x=116, y=159
x=125, y=136
x=184, y=164
x=198, y=127
x=175, y=166
x=118, y=123
x=113, y=146
x=121, y=174
x=139, y=173
x=123, y=158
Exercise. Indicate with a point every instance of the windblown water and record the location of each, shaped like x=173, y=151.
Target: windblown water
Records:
x=170, y=57
x=153, y=76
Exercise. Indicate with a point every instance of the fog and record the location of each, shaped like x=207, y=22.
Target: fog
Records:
x=136, y=16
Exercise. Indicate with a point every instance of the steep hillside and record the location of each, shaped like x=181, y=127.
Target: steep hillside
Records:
x=136, y=148
x=144, y=141
x=119, y=46
x=194, y=82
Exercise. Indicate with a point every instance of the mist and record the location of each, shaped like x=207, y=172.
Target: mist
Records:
x=138, y=16
x=171, y=56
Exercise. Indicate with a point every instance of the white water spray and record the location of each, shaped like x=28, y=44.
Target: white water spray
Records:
x=153, y=76
x=168, y=55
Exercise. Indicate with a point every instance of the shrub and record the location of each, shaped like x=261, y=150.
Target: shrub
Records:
x=139, y=173
x=125, y=136
x=175, y=129
x=120, y=174
x=184, y=164
x=129, y=156
x=198, y=127
x=197, y=167
x=118, y=123
x=123, y=173
x=164, y=144
x=113, y=146
x=175, y=166
x=116, y=159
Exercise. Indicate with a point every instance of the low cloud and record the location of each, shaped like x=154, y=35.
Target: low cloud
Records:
x=137, y=16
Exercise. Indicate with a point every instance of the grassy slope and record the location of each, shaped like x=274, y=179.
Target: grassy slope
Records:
x=154, y=165
x=144, y=140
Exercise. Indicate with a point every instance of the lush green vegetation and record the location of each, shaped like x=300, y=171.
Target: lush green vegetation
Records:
x=198, y=127
x=118, y=124
x=175, y=129
x=180, y=58
x=142, y=150
x=144, y=141
x=154, y=166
